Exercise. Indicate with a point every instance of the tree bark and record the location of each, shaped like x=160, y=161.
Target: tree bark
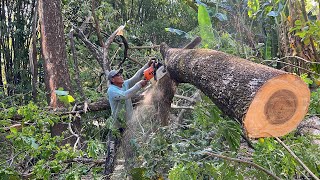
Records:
x=33, y=54
x=53, y=49
x=267, y=101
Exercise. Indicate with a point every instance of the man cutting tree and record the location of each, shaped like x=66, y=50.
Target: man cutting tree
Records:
x=120, y=92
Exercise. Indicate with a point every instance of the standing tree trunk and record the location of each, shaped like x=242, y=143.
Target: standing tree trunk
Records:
x=267, y=101
x=1, y=81
x=33, y=54
x=55, y=60
x=53, y=50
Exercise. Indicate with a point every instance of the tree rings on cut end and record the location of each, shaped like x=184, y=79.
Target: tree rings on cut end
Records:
x=281, y=106
x=278, y=107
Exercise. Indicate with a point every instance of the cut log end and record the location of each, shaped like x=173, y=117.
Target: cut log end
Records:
x=278, y=107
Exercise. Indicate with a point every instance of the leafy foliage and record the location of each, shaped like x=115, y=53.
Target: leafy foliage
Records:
x=32, y=144
x=307, y=30
x=253, y=6
x=269, y=153
x=314, y=108
x=205, y=26
x=176, y=148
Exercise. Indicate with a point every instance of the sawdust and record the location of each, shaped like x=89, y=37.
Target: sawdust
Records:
x=140, y=126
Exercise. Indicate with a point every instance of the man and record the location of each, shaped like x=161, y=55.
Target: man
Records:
x=119, y=93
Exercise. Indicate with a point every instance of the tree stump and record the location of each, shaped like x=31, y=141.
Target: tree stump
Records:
x=268, y=102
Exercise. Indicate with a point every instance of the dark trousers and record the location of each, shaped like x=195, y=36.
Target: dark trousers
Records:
x=113, y=146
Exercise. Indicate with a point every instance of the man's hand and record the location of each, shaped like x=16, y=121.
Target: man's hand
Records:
x=143, y=83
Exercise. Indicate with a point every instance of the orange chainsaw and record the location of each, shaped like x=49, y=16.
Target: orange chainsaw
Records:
x=155, y=71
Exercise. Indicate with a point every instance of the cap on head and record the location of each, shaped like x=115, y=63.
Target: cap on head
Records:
x=112, y=73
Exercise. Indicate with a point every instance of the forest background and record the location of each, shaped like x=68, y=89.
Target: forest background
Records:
x=199, y=142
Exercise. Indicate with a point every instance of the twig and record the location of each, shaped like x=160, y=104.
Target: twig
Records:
x=173, y=106
x=17, y=126
x=192, y=100
x=72, y=132
x=134, y=60
x=195, y=97
x=300, y=58
x=11, y=159
x=292, y=65
x=245, y=162
x=86, y=161
x=297, y=158
x=195, y=42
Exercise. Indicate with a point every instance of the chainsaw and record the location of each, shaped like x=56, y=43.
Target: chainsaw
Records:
x=155, y=72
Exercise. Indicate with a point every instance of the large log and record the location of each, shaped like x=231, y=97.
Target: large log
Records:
x=268, y=102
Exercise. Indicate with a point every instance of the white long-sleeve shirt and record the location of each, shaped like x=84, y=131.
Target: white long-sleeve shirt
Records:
x=122, y=96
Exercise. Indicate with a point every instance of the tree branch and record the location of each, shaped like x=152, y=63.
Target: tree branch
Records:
x=190, y=99
x=92, y=47
x=195, y=97
x=297, y=158
x=106, y=62
x=86, y=161
x=96, y=22
x=173, y=106
x=145, y=47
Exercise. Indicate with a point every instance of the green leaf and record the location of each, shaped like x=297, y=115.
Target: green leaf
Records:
x=203, y=17
x=14, y=130
x=138, y=173
x=306, y=41
x=298, y=23
x=305, y=78
x=254, y=6
x=64, y=99
x=70, y=99
x=9, y=136
x=205, y=26
x=301, y=34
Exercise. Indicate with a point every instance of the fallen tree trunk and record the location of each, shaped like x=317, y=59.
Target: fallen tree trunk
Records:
x=268, y=102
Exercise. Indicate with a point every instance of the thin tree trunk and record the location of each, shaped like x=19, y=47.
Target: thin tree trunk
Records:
x=33, y=54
